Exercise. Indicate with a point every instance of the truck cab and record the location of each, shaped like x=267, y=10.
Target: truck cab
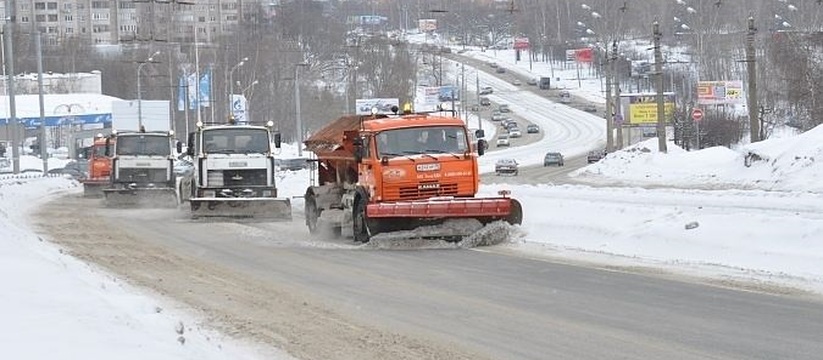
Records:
x=142, y=167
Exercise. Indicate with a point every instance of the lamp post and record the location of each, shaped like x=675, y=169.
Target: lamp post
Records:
x=140, y=91
x=298, y=120
x=230, y=82
x=248, y=103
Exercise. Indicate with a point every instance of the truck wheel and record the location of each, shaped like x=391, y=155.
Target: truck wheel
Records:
x=311, y=214
x=359, y=227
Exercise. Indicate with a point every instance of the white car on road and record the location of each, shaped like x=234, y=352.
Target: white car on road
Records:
x=503, y=140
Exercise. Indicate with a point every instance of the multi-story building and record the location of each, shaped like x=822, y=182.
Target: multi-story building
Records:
x=115, y=21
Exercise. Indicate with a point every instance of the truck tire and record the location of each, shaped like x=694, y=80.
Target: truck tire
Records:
x=312, y=214
x=359, y=223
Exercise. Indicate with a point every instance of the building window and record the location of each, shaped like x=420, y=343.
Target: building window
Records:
x=99, y=4
x=68, y=18
x=231, y=17
x=126, y=5
x=25, y=7
x=40, y=18
x=24, y=19
x=67, y=6
x=213, y=18
x=52, y=6
x=69, y=30
x=52, y=17
x=81, y=18
x=201, y=19
x=39, y=6
x=229, y=6
x=51, y=30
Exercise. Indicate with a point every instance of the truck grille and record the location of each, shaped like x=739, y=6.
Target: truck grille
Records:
x=244, y=177
x=141, y=175
x=427, y=190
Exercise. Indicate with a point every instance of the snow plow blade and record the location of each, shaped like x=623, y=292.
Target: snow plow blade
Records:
x=272, y=209
x=154, y=197
x=483, y=209
x=453, y=219
x=94, y=188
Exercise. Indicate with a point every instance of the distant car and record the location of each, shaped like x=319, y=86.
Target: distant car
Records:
x=532, y=129
x=484, y=101
x=594, y=156
x=516, y=82
x=486, y=90
x=515, y=133
x=496, y=116
x=590, y=108
x=511, y=125
x=294, y=164
x=506, y=166
x=565, y=97
x=503, y=140
x=553, y=158
x=493, y=64
x=504, y=108
x=532, y=81
x=500, y=70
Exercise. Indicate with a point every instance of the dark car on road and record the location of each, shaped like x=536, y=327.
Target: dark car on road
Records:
x=294, y=164
x=486, y=90
x=532, y=129
x=553, y=158
x=500, y=70
x=506, y=167
x=595, y=156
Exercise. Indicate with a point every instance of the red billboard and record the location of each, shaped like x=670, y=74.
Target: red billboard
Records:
x=521, y=43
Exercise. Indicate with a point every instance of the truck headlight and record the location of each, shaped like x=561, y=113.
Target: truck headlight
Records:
x=266, y=193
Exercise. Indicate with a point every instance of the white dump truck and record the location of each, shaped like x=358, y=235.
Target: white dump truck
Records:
x=234, y=173
x=142, y=158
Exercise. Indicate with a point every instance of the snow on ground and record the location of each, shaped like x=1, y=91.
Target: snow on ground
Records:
x=55, y=306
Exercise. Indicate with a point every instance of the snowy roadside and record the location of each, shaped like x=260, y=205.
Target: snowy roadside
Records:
x=61, y=307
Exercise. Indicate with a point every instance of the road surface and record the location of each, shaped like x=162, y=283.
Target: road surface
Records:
x=324, y=298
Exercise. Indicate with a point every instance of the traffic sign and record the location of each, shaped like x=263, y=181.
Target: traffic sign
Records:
x=697, y=114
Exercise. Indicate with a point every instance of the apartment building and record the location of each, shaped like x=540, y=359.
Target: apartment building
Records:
x=118, y=21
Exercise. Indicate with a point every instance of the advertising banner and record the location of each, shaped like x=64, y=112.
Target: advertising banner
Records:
x=585, y=55
x=428, y=96
x=238, y=109
x=383, y=105
x=521, y=43
x=427, y=25
x=720, y=92
x=642, y=108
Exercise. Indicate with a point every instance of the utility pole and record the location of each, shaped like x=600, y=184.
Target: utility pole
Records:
x=12, y=121
x=44, y=155
x=477, y=91
x=618, y=117
x=609, y=110
x=658, y=68
x=754, y=123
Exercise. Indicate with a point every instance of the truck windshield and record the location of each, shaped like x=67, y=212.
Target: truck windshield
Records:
x=236, y=141
x=143, y=145
x=422, y=140
x=99, y=151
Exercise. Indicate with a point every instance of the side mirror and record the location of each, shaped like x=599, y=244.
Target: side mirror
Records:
x=108, y=147
x=479, y=133
x=191, y=146
x=278, y=140
x=179, y=146
x=358, y=150
x=481, y=147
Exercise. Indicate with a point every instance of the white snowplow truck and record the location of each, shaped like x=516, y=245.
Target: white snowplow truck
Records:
x=234, y=173
x=142, y=169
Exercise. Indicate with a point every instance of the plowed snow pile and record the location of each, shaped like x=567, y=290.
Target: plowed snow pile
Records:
x=473, y=234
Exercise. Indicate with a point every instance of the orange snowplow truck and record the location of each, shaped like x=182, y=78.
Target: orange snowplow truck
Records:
x=382, y=173
x=99, y=169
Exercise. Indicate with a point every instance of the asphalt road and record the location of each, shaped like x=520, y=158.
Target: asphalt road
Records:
x=491, y=302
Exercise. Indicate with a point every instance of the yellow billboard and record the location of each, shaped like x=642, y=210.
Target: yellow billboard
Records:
x=642, y=108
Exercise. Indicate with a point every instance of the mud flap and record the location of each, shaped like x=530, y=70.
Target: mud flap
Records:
x=157, y=197
x=273, y=209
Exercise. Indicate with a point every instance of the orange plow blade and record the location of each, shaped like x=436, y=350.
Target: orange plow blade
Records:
x=487, y=209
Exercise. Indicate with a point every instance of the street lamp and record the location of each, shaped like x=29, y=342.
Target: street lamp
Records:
x=298, y=120
x=230, y=83
x=139, y=90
